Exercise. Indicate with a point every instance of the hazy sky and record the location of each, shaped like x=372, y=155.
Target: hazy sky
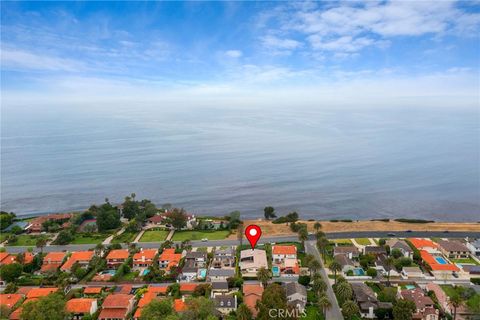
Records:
x=383, y=53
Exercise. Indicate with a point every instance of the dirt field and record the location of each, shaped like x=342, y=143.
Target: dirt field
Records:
x=270, y=229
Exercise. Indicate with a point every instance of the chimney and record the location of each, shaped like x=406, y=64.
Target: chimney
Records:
x=183, y=298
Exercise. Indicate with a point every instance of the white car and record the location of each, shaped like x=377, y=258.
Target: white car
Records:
x=204, y=240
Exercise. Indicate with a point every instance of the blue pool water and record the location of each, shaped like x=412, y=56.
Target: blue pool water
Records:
x=145, y=272
x=276, y=271
x=203, y=273
x=409, y=287
x=110, y=272
x=358, y=272
x=440, y=260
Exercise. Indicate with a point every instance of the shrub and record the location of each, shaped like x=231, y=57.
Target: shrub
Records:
x=371, y=272
x=304, y=280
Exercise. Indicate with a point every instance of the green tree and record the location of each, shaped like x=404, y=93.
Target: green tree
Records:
x=4, y=311
x=177, y=218
x=107, y=217
x=303, y=236
x=240, y=230
x=263, y=275
x=64, y=237
x=314, y=266
x=322, y=244
x=157, y=309
x=319, y=286
x=269, y=213
x=389, y=264
x=174, y=290
x=51, y=307
x=273, y=297
x=199, y=308
x=244, y=313
x=344, y=291
x=350, y=309
x=10, y=272
x=455, y=302
x=335, y=267
x=403, y=310
x=40, y=243
x=324, y=304
x=317, y=226
x=6, y=219
x=371, y=272
x=131, y=208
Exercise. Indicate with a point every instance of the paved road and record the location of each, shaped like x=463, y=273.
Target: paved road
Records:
x=334, y=313
x=212, y=243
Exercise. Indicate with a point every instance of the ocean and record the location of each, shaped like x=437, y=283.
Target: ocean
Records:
x=324, y=163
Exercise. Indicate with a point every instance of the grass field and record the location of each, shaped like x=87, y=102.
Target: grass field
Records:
x=312, y=313
x=154, y=236
x=448, y=289
x=125, y=237
x=199, y=235
x=27, y=240
x=363, y=241
x=93, y=238
x=466, y=261
x=4, y=236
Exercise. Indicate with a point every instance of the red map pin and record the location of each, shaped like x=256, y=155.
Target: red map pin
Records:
x=253, y=233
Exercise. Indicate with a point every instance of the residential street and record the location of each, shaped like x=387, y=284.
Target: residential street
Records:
x=334, y=313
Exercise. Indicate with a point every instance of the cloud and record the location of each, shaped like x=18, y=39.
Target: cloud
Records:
x=233, y=53
x=16, y=59
x=273, y=42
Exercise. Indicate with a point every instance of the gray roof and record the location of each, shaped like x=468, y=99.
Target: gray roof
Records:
x=375, y=249
x=345, y=250
x=382, y=261
x=195, y=255
x=343, y=260
x=399, y=244
x=221, y=272
x=189, y=269
x=363, y=293
x=21, y=224
x=225, y=301
x=295, y=287
x=224, y=252
x=452, y=245
x=476, y=243
x=219, y=285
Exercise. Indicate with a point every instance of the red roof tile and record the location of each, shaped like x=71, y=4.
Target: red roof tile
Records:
x=118, y=254
x=113, y=313
x=40, y=292
x=179, y=305
x=79, y=305
x=284, y=249
x=92, y=290
x=10, y=299
x=117, y=301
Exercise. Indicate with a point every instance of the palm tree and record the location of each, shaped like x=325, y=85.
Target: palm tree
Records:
x=320, y=234
x=243, y=313
x=350, y=309
x=303, y=236
x=314, y=266
x=133, y=195
x=319, y=286
x=98, y=249
x=344, y=291
x=389, y=263
x=317, y=226
x=240, y=233
x=322, y=244
x=455, y=302
x=41, y=242
x=335, y=267
x=324, y=304
x=263, y=276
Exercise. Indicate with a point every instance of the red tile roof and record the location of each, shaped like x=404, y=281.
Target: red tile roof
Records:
x=117, y=301
x=171, y=256
x=77, y=256
x=54, y=257
x=92, y=290
x=251, y=294
x=188, y=287
x=24, y=290
x=147, y=254
x=79, y=305
x=433, y=263
x=284, y=249
x=10, y=299
x=40, y=292
x=113, y=313
x=179, y=305
x=15, y=315
x=422, y=243
x=118, y=254
x=28, y=257
x=6, y=258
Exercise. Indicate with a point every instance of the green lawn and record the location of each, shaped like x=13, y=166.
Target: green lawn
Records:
x=27, y=240
x=448, y=289
x=129, y=276
x=4, y=236
x=467, y=261
x=198, y=235
x=125, y=237
x=154, y=236
x=92, y=238
x=363, y=241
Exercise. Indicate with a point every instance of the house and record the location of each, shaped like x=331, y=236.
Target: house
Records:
x=474, y=247
x=219, y=286
x=351, y=252
x=367, y=300
x=213, y=224
x=402, y=246
x=7, y=258
x=412, y=272
x=251, y=261
x=144, y=258
x=163, y=220
x=28, y=257
x=79, y=307
x=439, y=265
x=153, y=292
x=36, y=293
x=169, y=259
x=52, y=261
x=251, y=294
x=36, y=225
x=21, y=224
x=197, y=259
x=11, y=300
x=220, y=274
x=424, y=244
x=382, y=265
x=92, y=290
x=225, y=303
x=117, y=306
x=453, y=249
x=83, y=258
x=223, y=259
x=280, y=253
x=117, y=257
x=188, y=287
x=375, y=250
x=425, y=307
x=296, y=295
x=346, y=263
x=179, y=305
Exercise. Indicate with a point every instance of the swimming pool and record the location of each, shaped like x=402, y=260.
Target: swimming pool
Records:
x=358, y=272
x=276, y=271
x=441, y=260
x=202, y=273
x=110, y=272
x=410, y=287
x=145, y=272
